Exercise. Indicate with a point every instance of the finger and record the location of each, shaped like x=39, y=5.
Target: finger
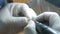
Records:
x=23, y=9
x=28, y=12
x=30, y=28
x=17, y=24
x=44, y=16
x=16, y=8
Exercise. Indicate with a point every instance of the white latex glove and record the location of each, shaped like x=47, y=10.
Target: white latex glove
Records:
x=30, y=28
x=10, y=23
x=23, y=8
x=30, y=14
x=52, y=18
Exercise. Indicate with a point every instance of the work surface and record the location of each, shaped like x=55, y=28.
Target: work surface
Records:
x=21, y=33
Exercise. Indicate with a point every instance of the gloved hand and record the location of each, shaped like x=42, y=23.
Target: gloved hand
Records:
x=11, y=20
x=21, y=9
x=52, y=18
x=30, y=28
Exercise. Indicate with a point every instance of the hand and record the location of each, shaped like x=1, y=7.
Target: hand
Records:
x=52, y=18
x=10, y=22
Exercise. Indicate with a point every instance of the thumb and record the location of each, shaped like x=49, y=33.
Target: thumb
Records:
x=30, y=28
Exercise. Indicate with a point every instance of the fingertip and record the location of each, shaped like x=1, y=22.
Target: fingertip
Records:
x=26, y=19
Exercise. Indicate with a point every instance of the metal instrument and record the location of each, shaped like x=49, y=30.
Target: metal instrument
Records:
x=43, y=29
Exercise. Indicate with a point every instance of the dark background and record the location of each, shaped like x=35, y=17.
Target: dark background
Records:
x=54, y=2
x=9, y=1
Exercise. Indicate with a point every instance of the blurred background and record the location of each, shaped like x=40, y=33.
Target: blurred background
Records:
x=40, y=6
